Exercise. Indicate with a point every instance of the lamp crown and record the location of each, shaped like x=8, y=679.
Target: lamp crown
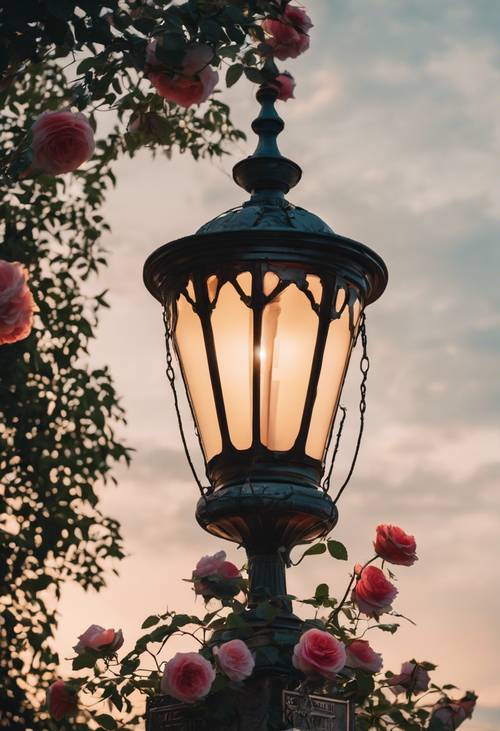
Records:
x=267, y=173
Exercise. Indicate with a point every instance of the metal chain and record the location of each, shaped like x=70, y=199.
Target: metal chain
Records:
x=171, y=379
x=326, y=482
x=364, y=367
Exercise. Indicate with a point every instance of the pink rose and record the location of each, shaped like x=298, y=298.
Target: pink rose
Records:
x=16, y=303
x=61, y=141
x=209, y=565
x=395, y=546
x=285, y=85
x=319, y=652
x=193, y=85
x=187, y=677
x=360, y=655
x=98, y=639
x=412, y=678
x=61, y=700
x=235, y=660
x=373, y=593
x=288, y=37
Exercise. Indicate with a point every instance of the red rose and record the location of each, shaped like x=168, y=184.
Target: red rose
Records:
x=318, y=652
x=16, y=303
x=360, y=655
x=373, y=593
x=193, y=85
x=288, y=36
x=61, y=700
x=61, y=141
x=395, y=546
x=285, y=85
x=229, y=571
x=187, y=677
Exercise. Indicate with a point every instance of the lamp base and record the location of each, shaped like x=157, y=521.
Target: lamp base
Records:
x=267, y=516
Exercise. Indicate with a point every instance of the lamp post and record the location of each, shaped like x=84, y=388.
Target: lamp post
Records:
x=262, y=307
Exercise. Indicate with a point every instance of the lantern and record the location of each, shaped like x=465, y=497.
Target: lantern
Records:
x=262, y=307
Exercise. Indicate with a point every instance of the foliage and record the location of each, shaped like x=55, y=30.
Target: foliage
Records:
x=58, y=415
x=378, y=707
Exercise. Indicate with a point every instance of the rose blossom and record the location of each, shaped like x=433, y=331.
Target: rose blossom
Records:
x=209, y=565
x=285, y=86
x=373, y=593
x=16, y=303
x=105, y=641
x=288, y=36
x=229, y=571
x=451, y=714
x=193, y=85
x=413, y=678
x=61, y=141
x=360, y=655
x=235, y=659
x=187, y=677
x=61, y=700
x=395, y=546
x=319, y=652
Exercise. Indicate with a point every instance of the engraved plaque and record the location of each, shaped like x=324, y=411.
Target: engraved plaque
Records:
x=316, y=712
x=164, y=714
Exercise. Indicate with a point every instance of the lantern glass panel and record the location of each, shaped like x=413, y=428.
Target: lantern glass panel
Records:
x=232, y=324
x=335, y=361
x=190, y=346
x=289, y=329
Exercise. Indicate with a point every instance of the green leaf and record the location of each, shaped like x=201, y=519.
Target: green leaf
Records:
x=315, y=550
x=85, y=660
x=233, y=74
x=337, y=550
x=150, y=621
x=254, y=75
x=106, y=721
x=322, y=593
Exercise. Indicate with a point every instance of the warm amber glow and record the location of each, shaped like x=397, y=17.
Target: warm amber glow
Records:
x=232, y=323
x=335, y=361
x=289, y=328
x=191, y=348
x=285, y=356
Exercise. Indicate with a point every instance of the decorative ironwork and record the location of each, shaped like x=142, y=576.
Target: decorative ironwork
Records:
x=165, y=714
x=317, y=712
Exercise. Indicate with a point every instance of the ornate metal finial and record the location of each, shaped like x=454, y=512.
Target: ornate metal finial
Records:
x=267, y=173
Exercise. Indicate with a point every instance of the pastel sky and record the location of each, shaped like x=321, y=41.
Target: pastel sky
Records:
x=397, y=127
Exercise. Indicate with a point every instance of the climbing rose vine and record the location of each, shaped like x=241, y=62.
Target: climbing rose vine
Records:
x=332, y=656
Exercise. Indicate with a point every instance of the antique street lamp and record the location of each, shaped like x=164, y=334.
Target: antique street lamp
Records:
x=262, y=307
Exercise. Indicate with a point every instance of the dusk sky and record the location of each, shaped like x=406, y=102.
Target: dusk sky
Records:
x=396, y=125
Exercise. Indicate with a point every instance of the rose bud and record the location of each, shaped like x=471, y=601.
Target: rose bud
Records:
x=62, y=700
x=373, y=593
x=97, y=639
x=16, y=303
x=394, y=546
x=285, y=85
x=319, y=653
x=287, y=37
x=187, y=677
x=235, y=660
x=412, y=678
x=193, y=85
x=360, y=655
x=61, y=141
